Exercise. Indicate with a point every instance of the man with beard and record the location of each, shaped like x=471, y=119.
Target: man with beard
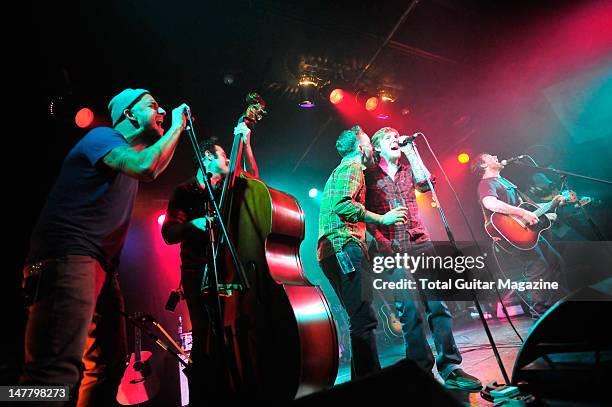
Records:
x=497, y=194
x=70, y=276
x=391, y=183
x=186, y=223
x=341, y=247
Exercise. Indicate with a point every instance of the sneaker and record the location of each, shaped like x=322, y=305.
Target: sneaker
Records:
x=460, y=380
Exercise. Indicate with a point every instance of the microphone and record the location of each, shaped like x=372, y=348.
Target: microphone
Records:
x=190, y=119
x=509, y=160
x=404, y=140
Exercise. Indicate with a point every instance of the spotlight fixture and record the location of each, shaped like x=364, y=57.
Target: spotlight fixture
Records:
x=382, y=115
x=308, y=80
x=307, y=85
x=336, y=96
x=84, y=117
x=228, y=79
x=463, y=158
x=371, y=104
x=68, y=110
x=386, y=95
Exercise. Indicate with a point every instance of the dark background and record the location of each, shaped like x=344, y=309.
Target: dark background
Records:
x=506, y=77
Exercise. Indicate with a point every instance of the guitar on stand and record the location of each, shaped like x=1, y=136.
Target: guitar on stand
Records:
x=391, y=324
x=139, y=383
x=392, y=327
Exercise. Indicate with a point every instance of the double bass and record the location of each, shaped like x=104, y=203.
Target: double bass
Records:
x=274, y=333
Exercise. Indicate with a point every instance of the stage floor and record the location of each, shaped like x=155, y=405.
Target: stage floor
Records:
x=478, y=358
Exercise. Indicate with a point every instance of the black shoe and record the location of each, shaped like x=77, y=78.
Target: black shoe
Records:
x=460, y=380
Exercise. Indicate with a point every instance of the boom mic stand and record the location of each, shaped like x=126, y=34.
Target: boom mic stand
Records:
x=419, y=167
x=563, y=176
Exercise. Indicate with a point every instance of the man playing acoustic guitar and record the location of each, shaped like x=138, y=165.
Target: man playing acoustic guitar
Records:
x=497, y=195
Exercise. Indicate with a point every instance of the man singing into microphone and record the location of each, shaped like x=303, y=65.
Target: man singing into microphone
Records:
x=391, y=183
x=341, y=247
x=70, y=276
x=186, y=223
x=497, y=194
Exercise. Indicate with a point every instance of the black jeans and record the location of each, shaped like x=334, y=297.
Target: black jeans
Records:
x=355, y=293
x=74, y=322
x=438, y=317
x=543, y=262
x=205, y=381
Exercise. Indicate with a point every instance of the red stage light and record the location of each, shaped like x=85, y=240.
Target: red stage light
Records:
x=371, y=103
x=463, y=158
x=84, y=118
x=336, y=96
x=161, y=218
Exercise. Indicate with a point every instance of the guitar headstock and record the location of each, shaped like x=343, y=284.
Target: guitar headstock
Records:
x=566, y=196
x=255, y=110
x=573, y=198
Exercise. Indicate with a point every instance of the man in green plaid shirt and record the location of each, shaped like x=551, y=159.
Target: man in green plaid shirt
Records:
x=341, y=247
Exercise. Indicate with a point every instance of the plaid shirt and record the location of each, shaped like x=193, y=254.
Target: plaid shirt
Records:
x=342, y=214
x=385, y=193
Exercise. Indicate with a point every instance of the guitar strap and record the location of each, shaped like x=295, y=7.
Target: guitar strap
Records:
x=526, y=198
x=505, y=183
x=521, y=194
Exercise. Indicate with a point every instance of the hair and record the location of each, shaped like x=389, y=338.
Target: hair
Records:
x=206, y=145
x=347, y=141
x=379, y=135
x=477, y=164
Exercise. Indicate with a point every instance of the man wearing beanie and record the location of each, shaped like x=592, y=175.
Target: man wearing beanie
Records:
x=70, y=275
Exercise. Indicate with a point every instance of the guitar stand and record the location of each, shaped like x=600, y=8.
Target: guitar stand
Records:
x=139, y=322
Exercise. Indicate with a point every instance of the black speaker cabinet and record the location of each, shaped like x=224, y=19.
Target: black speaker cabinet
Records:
x=567, y=356
x=403, y=382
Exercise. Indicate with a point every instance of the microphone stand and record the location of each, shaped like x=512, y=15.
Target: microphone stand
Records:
x=563, y=176
x=211, y=272
x=562, y=173
x=417, y=163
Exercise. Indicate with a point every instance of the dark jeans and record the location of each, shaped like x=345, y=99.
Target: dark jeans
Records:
x=439, y=319
x=203, y=383
x=355, y=293
x=543, y=262
x=74, y=322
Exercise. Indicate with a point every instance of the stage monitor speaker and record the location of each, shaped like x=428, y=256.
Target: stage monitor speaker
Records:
x=567, y=355
x=403, y=382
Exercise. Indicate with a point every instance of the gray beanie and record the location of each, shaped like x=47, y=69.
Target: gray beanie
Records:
x=123, y=100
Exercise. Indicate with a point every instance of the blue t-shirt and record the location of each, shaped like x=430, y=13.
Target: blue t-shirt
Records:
x=89, y=208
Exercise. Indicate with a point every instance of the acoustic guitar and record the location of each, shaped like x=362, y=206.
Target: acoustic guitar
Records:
x=511, y=231
x=139, y=384
x=391, y=324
